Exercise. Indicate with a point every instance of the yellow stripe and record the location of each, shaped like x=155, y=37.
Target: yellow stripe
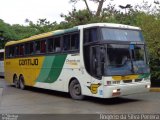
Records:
x=127, y=77
x=39, y=36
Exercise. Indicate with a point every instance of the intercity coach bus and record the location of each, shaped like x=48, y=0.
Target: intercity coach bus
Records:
x=102, y=60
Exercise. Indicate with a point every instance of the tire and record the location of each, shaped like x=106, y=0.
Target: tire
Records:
x=75, y=90
x=16, y=82
x=21, y=83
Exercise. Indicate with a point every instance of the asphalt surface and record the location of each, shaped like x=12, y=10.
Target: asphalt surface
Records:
x=40, y=101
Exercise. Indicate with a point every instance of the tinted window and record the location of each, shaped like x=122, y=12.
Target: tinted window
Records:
x=75, y=41
x=11, y=51
x=37, y=47
x=51, y=45
x=17, y=51
x=71, y=42
x=43, y=46
x=29, y=48
x=21, y=50
x=57, y=44
x=90, y=35
x=121, y=34
x=1, y=56
x=66, y=42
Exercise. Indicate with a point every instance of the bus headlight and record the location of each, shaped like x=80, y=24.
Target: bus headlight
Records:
x=116, y=92
x=147, y=86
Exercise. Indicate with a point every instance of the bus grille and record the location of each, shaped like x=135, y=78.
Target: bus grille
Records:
x=127, y=81
x=138, y=80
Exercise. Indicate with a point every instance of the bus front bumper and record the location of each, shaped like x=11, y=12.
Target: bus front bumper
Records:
x=125, y=89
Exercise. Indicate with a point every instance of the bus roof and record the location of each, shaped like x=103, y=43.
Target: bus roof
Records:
x=111, y=25
x=58, y=32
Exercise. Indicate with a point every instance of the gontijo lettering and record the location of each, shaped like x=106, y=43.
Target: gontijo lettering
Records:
x=28, y=62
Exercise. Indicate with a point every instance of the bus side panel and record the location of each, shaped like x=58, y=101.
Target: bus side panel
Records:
x=28, y=67
x=48, y=77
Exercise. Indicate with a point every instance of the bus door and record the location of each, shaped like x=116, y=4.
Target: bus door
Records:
x=97, y=61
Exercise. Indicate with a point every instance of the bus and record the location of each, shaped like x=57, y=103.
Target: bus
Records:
x=103, y=60
x=1, y=62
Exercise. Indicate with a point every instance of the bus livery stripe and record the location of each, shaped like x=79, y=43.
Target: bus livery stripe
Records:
x=131, y=77
x=50, y=74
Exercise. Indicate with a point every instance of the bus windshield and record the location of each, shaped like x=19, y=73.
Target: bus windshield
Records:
x=121, y=34
x=125, y=59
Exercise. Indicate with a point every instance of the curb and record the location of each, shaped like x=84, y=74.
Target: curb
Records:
x=155, y=89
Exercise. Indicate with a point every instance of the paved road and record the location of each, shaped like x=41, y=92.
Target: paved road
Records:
x=39, y=101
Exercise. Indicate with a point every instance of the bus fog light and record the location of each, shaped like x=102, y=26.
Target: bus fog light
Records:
x=148, y=86
x=115, y=91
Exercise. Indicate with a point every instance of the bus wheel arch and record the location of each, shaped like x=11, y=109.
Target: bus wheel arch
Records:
x=15, y=81
x=75, y=90
x=21, y=82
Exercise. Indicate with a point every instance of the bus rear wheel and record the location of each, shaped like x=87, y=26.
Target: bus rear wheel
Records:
x=16, y=82
x=21, y=83
x=75, y=90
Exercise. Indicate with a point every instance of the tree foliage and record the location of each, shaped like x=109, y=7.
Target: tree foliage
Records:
x=6, y=33
x=42, y=26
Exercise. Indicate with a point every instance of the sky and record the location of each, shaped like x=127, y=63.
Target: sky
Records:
x=16, y=11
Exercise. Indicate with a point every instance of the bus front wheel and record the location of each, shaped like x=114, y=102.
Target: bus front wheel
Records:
x=75, y=90
x=21, y=83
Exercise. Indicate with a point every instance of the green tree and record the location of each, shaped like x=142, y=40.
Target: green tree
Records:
x=23, y=31
x=6, y=33
x=43, y=25
x=79, y=17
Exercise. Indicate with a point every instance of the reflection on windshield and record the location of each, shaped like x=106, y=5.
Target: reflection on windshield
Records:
x=123, y=59
x=117, y=54
x=121, y=34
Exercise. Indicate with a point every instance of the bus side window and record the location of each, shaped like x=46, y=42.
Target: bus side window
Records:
x=51, y=45
x=29, y=48
x=37, y=47
x=57, y=44
x=7, y=52
x=21, y=50
x=43, y=46
x=75, y=41
x=27, y=45
x=66, y=42
x=11, y=51
x=90, y=35
x=1, y=56
x=17, y=50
